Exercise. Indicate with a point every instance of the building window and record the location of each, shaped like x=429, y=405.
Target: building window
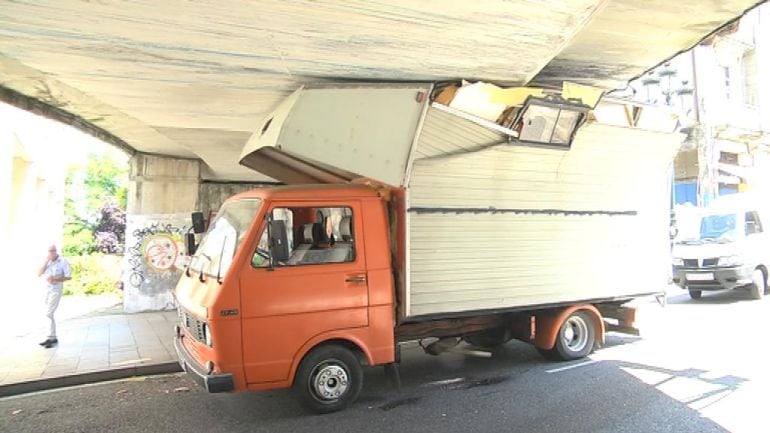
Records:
x=728, y=158
x=726, y=71
x=749, y=63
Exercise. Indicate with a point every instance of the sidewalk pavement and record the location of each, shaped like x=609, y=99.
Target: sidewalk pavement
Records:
x=90, y=349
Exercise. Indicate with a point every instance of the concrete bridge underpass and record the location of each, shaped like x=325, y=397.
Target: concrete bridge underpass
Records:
x=181, y=86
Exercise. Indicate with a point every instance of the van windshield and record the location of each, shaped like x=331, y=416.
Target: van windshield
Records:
x=226, y=232
x=719, y=227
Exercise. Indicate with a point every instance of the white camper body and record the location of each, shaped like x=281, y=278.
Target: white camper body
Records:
x=490, y=224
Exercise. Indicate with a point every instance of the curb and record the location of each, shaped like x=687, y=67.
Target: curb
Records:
x=86, y=378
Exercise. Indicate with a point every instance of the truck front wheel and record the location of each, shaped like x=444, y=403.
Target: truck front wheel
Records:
x=575, y=339
x=328, y=379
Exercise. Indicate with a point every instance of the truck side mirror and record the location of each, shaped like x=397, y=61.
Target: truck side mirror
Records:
x=198, y=222
x=189, y=243
x=751, y=227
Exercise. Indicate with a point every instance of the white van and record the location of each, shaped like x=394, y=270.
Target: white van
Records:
x=730, y=249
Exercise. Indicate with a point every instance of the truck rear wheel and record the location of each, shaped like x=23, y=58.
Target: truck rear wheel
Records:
x=328, y=379
x=759, y=284
x=575, y=339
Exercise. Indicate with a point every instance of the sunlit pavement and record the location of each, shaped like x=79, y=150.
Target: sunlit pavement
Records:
x=94, y=337
x=24, y=313
x=711, y=354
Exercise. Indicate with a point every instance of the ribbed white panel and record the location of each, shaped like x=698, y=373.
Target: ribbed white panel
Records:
x=529, y=252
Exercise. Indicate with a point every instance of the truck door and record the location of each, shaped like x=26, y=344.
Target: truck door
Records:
x=316, y=285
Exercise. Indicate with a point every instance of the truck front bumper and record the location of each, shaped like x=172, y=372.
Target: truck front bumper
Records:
x=209, y=382
x=713, y=278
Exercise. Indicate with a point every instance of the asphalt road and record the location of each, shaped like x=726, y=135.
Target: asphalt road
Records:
x=699, y=367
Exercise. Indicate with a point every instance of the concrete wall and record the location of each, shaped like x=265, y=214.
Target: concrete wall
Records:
x=211, y=195
x=160, y=185
x=162, y=192
x=31, y=213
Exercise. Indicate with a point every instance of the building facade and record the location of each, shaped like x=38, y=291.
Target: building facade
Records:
x=724, y=108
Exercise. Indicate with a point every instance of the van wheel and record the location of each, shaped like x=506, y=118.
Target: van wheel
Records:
x=758, y=285
x=575, y=339
x=695, y=294
x=488, y=339
x=328, y=379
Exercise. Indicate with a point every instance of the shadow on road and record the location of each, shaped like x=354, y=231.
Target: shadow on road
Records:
x=699, y=388
x=720, y=297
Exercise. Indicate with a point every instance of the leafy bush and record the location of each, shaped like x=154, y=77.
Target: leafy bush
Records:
x=78, y=240
x=94, y=274
x=110, y=229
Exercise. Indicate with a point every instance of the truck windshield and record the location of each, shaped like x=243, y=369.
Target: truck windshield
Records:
x=721, y=227
x=225, y=233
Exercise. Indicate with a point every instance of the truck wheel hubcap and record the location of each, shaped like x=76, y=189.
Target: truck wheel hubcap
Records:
x=329, y=381
x=575, y=334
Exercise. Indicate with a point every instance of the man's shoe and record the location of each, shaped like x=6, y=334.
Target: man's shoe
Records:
x=45, y=343
x=51, y=342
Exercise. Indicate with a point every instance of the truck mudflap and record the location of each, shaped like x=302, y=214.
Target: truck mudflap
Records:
x=618, y=318
x=210, y=382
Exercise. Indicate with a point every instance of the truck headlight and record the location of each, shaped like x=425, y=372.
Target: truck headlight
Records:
x=677, y=261
x=206, y=334
x=733, y=260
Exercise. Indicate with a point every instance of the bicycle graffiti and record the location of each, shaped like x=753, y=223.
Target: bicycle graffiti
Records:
x=157, y=248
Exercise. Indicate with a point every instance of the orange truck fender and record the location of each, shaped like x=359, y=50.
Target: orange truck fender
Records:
x=343, y=337
x=547, y=325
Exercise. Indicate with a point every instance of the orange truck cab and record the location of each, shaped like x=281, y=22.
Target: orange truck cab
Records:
x=282, y=272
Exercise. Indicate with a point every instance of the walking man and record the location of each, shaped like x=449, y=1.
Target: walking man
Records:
x=56, y=271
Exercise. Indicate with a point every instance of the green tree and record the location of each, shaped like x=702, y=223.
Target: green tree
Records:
x=89, y=188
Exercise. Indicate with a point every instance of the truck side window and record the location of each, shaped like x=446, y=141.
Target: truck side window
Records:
x=316, y=236
x=753, y=224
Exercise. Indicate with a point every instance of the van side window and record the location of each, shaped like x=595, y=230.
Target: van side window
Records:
x=313, y=235
x=753, y=225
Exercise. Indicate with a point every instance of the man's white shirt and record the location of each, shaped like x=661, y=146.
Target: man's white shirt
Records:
x=59, y=268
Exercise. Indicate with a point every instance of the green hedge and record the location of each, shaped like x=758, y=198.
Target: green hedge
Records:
x=94, y=274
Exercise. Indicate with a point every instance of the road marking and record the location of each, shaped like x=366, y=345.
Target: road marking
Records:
x=570, y=367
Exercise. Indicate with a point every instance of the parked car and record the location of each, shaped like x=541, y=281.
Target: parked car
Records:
x=731, y=249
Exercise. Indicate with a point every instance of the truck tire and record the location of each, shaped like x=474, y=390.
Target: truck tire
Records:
x=575, y=339
x=328, y=379
x=695, y=294
x=759, y=284
x=488, y=339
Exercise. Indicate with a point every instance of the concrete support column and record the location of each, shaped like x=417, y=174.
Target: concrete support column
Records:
x=162, y=185
x=162, y=193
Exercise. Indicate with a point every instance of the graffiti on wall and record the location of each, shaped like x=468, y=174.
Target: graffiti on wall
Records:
x=155, y=259
x=159, y=248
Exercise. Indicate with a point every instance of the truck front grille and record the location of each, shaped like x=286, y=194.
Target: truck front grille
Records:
x=697, y=263
x=192, y=325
